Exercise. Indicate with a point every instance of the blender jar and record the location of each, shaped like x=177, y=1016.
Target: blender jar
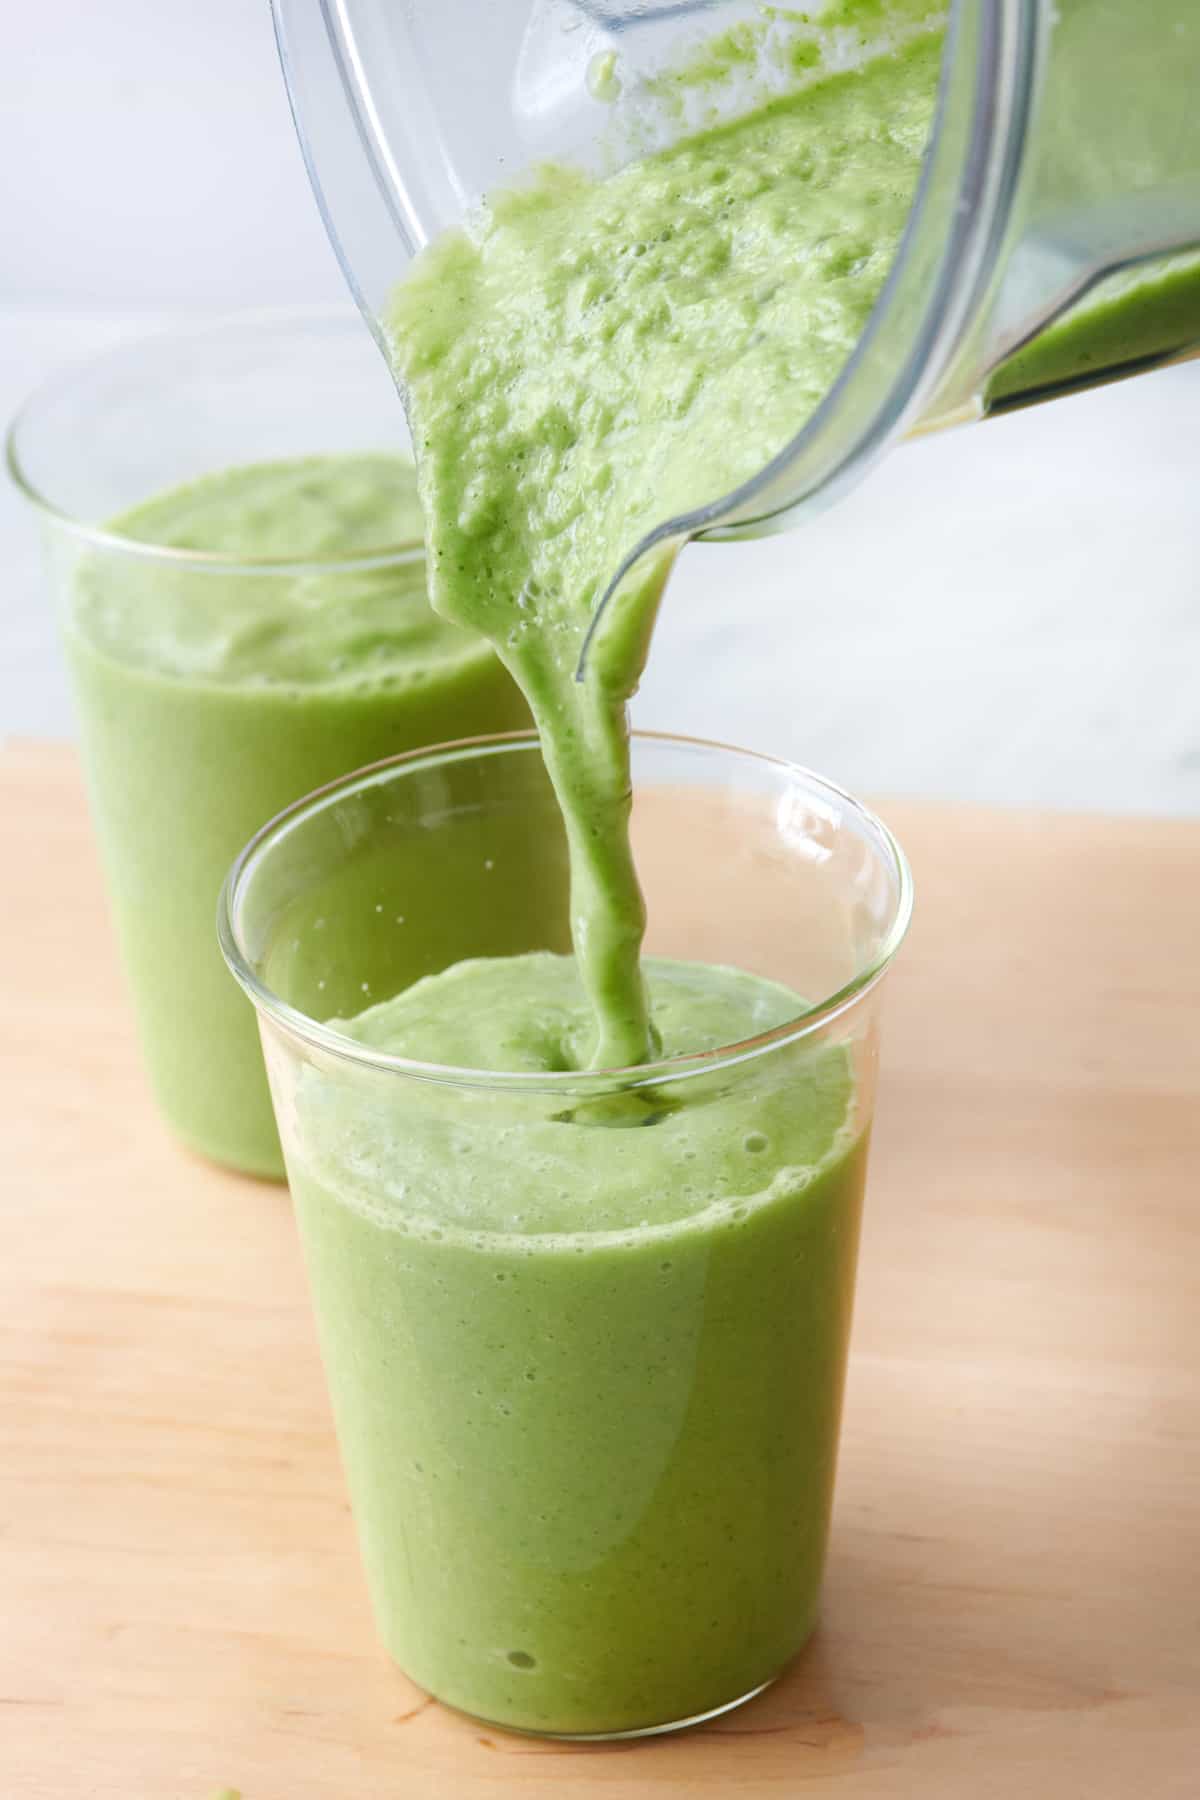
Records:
x=1062, y=171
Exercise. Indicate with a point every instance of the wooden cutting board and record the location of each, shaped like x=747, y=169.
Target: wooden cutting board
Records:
x=1013, y=1599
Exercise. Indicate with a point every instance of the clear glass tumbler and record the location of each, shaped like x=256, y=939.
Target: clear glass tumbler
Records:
x=205, y=687
x=585, y=1333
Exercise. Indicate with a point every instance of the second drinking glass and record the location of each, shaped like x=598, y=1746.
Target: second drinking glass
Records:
x=235, y=547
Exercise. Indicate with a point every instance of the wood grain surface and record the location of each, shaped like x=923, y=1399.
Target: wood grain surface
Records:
x=1013, y=1599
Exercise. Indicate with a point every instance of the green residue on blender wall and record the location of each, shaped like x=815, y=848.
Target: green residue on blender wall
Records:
x=734, y=52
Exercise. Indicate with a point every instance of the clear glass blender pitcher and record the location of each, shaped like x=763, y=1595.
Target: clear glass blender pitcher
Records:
x=1054, y=241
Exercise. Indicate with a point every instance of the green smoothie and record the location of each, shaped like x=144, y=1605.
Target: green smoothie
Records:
x=586, y=1364
x=212, y=693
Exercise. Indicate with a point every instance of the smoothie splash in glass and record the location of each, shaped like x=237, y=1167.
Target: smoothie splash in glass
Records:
x=236, y=635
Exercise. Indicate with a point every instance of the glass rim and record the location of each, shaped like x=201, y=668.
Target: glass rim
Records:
x=318, y=1036
x=224, y=325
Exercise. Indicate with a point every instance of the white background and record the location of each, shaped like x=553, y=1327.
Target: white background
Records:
x=1008, y=613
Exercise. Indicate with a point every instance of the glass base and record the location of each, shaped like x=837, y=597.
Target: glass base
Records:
x=252, y=1168
x=618, y=1737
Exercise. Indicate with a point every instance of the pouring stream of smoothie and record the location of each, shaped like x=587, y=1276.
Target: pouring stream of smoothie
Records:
x=597, y=355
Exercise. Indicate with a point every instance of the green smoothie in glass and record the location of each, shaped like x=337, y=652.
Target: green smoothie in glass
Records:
x=586, y=1365
x=234, y=643
x=587, y=1374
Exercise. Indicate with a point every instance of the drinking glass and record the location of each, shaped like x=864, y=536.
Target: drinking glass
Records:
x=584, y=1331
x=183, y=759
